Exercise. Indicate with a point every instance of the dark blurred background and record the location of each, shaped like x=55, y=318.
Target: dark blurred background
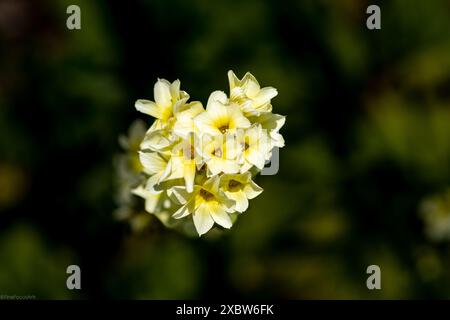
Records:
x=363, y=180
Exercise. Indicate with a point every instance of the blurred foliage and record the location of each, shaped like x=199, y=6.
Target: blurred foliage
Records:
x=30, y=267
x=367, y=147
x=435, y=212
x=149, y=267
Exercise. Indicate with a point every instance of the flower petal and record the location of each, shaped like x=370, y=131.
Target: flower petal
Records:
x=241, y=200
x=151, y=199
x=230, y=166
x=189, y=174
x=218, y=96
x=140, y=192
x=246, y=167
x=202, y=219
x=181, y=195
x=233, y=80
x=185, y=210
x=156, y=140
x=151, y=202
x=252, y=190
x=212, y=184
x=149, y=107
x=175, y=90
x=271, y=121
x=206, y=124
x=250, y=85
x=264, y=96
x=237, y=118
x=152, y=162
x=256, y=158
x=220, y=216
x=184, y=128
x=217, y=111
x=152, y=182
x=162, y=94
x=188, y=111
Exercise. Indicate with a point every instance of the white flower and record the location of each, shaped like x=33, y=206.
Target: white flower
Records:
x=252, y=99
x=256, y=148
x=166, y=96
x=185, y=160
x=240, y=188
x=272, y=124
x=220, y=154
x=169, y=106
x=220, y=117
x=185, y=115
x=207, y=205
x=156, y=166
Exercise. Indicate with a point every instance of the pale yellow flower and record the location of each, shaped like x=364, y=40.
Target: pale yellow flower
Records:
x=166, y=95
x=174, y=116
x=169, y=106
x=160, y=140
x=207, y=204
x=220, y=117
x=247, y=92
x=272, y=123
x=185, y=160
x=185, y=114
x=156, y=166
x=240, y=188
x=220, y=153
x=255, y=144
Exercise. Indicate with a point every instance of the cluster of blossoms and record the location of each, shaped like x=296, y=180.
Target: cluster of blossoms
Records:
x=198, y=163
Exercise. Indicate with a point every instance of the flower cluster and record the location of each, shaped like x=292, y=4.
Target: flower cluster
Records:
x=199, y=162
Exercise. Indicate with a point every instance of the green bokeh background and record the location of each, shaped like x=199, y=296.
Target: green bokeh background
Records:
x=367, y=142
